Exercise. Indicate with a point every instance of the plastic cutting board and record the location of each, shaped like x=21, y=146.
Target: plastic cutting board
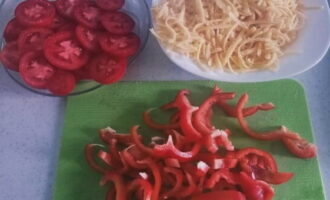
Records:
x=121, y=105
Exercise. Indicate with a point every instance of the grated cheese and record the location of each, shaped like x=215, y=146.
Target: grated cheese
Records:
x=230, y=35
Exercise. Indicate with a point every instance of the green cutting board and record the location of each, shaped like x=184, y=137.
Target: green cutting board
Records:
x=121, y=105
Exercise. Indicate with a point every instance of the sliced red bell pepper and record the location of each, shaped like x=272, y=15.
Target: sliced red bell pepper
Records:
x=111, y=194
x=190, y=189
x=121, y=192
x=167, y=150
x=217, y=175
x=131, y=161
x=220, y=195
x=154, y=167
x=141, y=184
x=261, y=165
x=216, y=161
x=178, y=183
x=152, y=124
x=89, y=156
x=108, y=133
x=300, y=147
x=270, y=136
x=253, y=189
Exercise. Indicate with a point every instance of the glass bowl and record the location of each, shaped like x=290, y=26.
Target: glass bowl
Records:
x=137, y=9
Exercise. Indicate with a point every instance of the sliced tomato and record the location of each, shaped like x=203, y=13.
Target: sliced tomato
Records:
x=82, y=73
x=69, y=26
x=64, y=51
x=12, y=30
x=107, y=69
x=62, y=83
x=10, y=56
x=110, y=5
x=87, y=38
x=87, y=14
x=33, y=39
x=35, y=70
x=66, y=7
x=117, y=23
x=35, y=13
x=58, y=22
x=120, y=45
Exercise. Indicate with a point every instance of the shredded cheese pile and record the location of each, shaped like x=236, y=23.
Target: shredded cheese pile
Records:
x=229, y=35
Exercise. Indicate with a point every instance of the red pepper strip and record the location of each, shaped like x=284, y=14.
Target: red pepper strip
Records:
x=140, y=184
x=152, y=124
x=186, y=111
x=216, y=176
x=254, y=190
x=217, y=138
x=137, y=141
x=121, y=192
x=220, y=195
x=261, y=165
x=270, y=136
x=89, y=156
x=175, y=118
x=231, y=111
x=168, y=150
x=105, y=157
x=111, y=194
x=115, y=158
x=178, y=138
x=300, y=147
x=200, y=119
x=208, y=121
x=130, y=160
x=190, y=189
x=107, y=134
x=178, y=184
x=172, y=162
x=157, y=176
x=215, y=161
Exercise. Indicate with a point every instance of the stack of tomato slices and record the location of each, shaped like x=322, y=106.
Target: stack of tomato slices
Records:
x=55, y=44
x=195, y=160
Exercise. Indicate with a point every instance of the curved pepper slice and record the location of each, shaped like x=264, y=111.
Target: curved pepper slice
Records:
x=253, y=189
x=152, y=124
x=271, y=136
x=300, y=147
x=157, y=176
x=121, y=192
x=201, y=122
x=108, y=133
x=232, y=111
x=261, y=165
x=142, y=184
x=89, y=155
x=178, y=183
x=167, y=150
x=190, y=189
x=217, y=175
x=220, y=195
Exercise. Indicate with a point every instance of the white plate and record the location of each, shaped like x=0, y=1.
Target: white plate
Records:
x=312, y=44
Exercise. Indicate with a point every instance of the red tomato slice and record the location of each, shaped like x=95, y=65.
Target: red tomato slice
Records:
x=87, y=38
x=62, y=83
x=65, y=7
x=117, y=23
x=106, y=69
x=33, y=39
x=110, y=5
x=58, y=22
x=82, y=73
x=12, y=30
x=35, y=13
x=35, y=70
x=63, y=50
x=10, y=56
x=87, y=14
x=120, y=45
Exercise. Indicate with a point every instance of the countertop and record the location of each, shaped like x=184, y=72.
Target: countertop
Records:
x=30, y=124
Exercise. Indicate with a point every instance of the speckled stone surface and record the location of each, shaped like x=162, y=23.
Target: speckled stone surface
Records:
x=30, y=124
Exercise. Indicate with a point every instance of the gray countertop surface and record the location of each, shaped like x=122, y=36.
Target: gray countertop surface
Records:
x=30, y=124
